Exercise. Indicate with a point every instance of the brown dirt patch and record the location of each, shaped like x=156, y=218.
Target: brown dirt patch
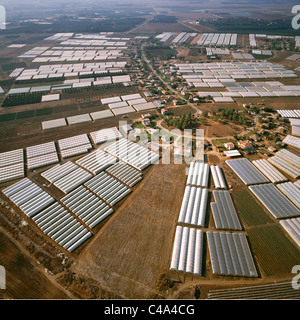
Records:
x=132, y=251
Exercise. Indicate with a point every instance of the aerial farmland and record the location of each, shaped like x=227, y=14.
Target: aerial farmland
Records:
x=161, y=161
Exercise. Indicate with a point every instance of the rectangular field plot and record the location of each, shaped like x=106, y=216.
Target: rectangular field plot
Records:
x=87, y=206
x=28, y=196
x=187, y=255
x=292, y=227
x=56, y=222
x=96, y=161
x=249, y=210
x=106, y=135
x=275, y=253
x=108, y=188
x=274, y=200
x=269, y=171
x=125, y=173
x=198, y=174
x=224, y=213
x=193, y=207
x=230, y=254
x=132, y=153
x=247, y=172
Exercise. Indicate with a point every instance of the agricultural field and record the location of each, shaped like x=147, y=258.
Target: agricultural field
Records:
x=275, y=253
x=19, y=265
x=252, y=214
x=131, y=253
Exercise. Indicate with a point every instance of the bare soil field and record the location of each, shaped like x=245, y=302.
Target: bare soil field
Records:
x=217, y=129
x=25, y=279
x=131, y=254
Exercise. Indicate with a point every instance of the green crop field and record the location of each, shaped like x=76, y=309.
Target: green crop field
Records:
x=275, y=253
x=250, y=211
x=25, y=114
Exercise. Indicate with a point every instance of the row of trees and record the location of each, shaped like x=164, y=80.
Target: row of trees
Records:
x=22, y=99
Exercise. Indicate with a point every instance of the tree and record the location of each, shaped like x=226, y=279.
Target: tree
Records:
x=205, y=114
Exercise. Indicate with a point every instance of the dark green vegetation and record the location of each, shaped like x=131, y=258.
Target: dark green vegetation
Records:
x=13, y=65
x=228, y=114
x=69, y=24
x=22, y=98
x=31, y=98
x=250, y=25
x=182, y=122
x=25, y=114
x=160, y=51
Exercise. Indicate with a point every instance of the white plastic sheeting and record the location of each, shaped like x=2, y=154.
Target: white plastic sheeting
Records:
x=28, y=196
x=82, y=118
x=108, y=188
x=187, y=255
x=13, y=172
x=41, y=155
x=224, y=213
x=198, y=174
x=269, y=171
x=218, y=177
x=11, y=165
x=87, y=206
x=96, y=161
x=53, y=124
x=11, y=157
x=292, y=141
x=274, y=200
x=125, y=173
x=74, y=141
x=40, y=149
x=230, y=254
x=292, y=227
x=72, y=180
x=193, y=207
x=289, y=156
x=291, y=191
x=106, y=135
x=132, y=153
x=55, y=173
x=285, y=166
x=247, y=172
x=61, y=226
